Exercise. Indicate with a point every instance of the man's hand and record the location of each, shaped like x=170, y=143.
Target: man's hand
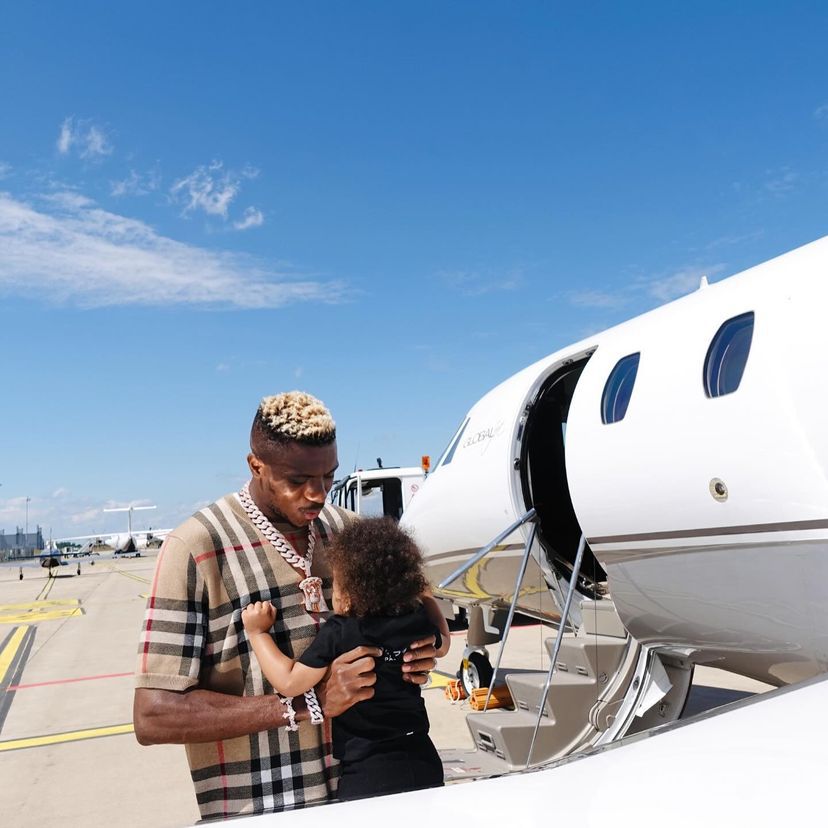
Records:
x=351, y=679
x=420, y=660
x=258, y=617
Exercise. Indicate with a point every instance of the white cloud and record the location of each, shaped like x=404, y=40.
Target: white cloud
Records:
x=93, y=514
x=208, y=188
x=821, y=111
x=68, y=514
x=474, y=283
x=13, y=513
x=680, y=283
x=252, y=218
x=65, y=137
x=781, y=182
x=135, y=184
x=87, y=138
x=597, y=299
x=735, y=239
x=663, y=288
x=68, y=200
x=96, y=143
x=69, y=251
x=5, y=170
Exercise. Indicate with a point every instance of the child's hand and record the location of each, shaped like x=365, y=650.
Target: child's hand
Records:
x=258, y=617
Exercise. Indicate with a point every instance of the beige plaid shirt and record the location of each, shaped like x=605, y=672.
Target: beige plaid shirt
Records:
x=208, y=570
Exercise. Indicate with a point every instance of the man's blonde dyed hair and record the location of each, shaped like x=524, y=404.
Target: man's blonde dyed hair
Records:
x=296, y=415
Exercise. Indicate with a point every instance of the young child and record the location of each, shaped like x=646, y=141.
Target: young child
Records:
x=379, y=598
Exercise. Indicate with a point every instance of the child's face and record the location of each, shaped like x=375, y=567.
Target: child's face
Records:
x=340, y=600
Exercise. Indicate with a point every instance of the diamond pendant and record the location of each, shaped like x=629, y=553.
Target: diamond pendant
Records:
x=314, y=599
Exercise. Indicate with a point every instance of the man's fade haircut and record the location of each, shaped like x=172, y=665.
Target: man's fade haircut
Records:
x=291, y=417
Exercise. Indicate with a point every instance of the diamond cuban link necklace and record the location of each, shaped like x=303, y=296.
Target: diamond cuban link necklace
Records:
x=311, y=586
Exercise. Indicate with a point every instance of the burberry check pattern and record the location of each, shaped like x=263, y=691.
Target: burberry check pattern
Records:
x=207, y=571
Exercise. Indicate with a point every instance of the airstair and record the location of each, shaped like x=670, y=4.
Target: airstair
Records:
x=601, y=685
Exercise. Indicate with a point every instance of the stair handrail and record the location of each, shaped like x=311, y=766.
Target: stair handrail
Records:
x=525, y=518
x=558, y=639
x=508, y=625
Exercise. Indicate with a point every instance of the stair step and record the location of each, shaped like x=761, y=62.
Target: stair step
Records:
x=507, y=735
x=595, y=656
x=566, y=689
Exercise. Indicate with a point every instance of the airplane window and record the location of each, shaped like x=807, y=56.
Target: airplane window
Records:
x=448, y=454
x=727, y=356
x=618, y=390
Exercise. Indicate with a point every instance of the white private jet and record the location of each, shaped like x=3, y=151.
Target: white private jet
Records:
x=658, y=493
x=673, y=471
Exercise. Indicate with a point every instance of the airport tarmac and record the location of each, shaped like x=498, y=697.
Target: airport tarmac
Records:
x=67, y=652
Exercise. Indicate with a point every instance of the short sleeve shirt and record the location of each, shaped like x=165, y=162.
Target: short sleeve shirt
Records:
x=207, y=571
x=396, y=708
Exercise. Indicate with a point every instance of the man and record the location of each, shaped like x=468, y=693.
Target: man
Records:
x=198, y=682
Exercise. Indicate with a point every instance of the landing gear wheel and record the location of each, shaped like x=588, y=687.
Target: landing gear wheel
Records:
x=476, y=671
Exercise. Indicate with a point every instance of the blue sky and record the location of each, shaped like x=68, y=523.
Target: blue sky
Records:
x=391, y=205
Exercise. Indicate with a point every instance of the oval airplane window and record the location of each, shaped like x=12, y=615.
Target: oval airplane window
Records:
x=727, y=356
x=618, y=390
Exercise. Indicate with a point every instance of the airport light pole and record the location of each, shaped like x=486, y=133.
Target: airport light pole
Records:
x=26, y=536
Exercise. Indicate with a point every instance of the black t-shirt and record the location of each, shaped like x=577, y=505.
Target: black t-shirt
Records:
x=396, y=708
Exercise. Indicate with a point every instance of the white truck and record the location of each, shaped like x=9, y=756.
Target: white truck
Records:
x=379, y=491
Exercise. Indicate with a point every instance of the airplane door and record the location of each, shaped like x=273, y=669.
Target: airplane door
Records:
x=544, y=480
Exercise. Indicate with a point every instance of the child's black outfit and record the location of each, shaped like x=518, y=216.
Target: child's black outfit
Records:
x=382, y=742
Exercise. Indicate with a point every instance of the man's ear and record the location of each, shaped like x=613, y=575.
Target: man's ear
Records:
x=254, y=464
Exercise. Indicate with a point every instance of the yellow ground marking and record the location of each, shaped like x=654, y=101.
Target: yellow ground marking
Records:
x=61, y=738
x=67, y=602
x=436, y=679
x=130, y=575
x=10, y=651
x=47, y=587
x=34, y=616
x=35, y=611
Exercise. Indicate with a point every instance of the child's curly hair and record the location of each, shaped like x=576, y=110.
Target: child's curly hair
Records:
x=378, y=566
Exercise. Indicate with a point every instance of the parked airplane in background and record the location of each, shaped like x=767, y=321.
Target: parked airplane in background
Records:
x=51, y=557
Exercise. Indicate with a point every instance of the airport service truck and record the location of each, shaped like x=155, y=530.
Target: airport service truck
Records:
x=379, y=491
